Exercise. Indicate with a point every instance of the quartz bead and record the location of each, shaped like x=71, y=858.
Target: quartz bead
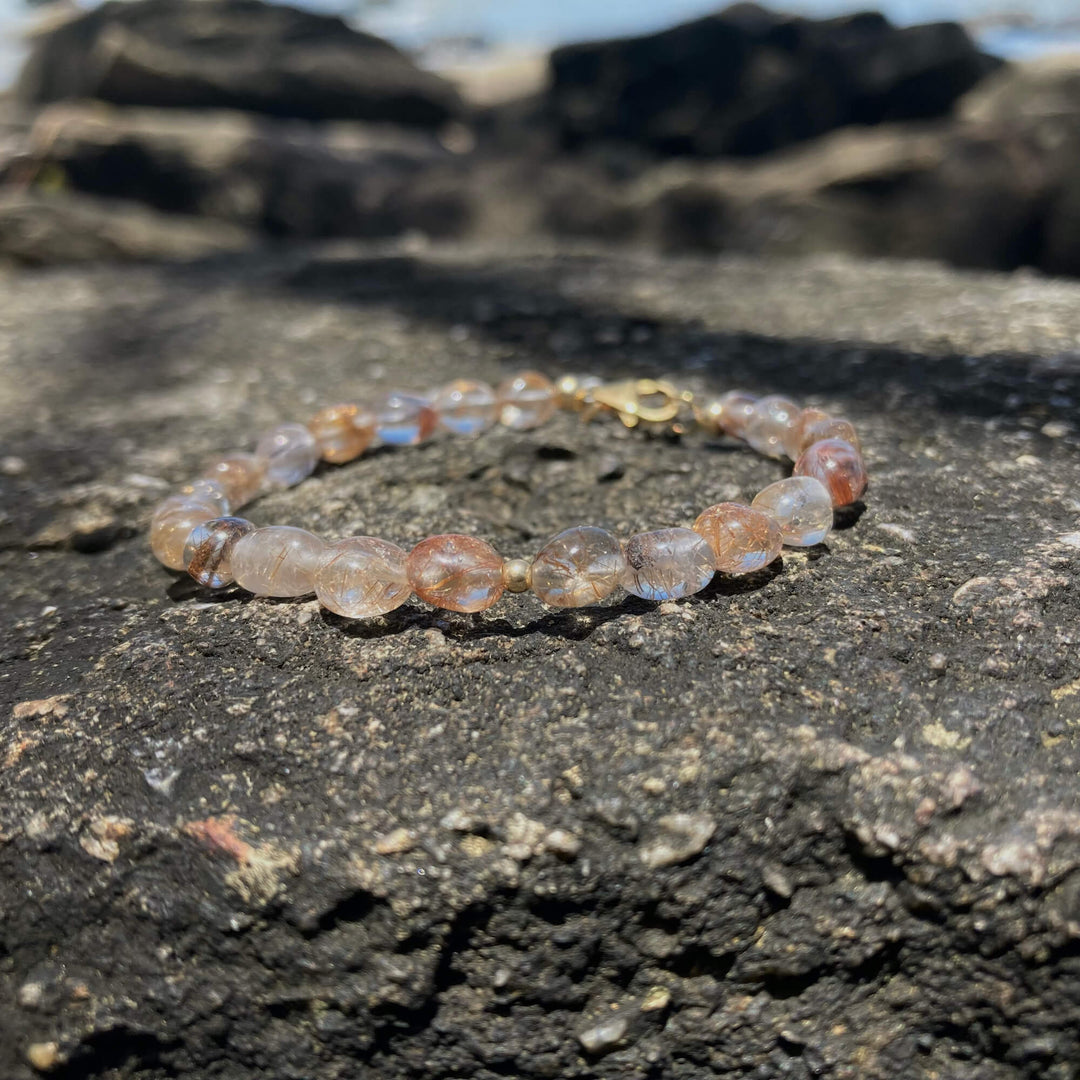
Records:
x=172, y=523
x=526, y=401
x=831, y=427
x=802, y=508
x=290, y=453
x=362, y=577
x=208, y=490
x=279, y=560
x=667, y=564
x=404, y=420
x=793, y=438
x=466, y=407
x=241, y=476
x=742, y=539
x=773, y=419
x=209, y=549
x=579, y=566
x=728, y=414
x=342, y=432
x=459, y=573
x=838, y=465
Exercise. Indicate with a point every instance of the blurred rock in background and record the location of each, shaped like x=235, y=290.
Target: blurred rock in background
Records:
x=745, y=131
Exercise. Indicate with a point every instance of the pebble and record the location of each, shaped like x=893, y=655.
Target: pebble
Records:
x=603, y=1036
x=683, y=836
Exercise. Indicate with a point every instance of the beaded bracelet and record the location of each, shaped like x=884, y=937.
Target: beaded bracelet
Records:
x=362, y=576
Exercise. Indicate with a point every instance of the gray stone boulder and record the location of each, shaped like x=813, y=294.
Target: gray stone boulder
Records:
x=232, y=54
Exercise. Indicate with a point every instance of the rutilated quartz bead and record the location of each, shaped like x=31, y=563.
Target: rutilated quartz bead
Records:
x=832, y=427
x=774, y=416
x=728, y=414
x=802, y=508
x=404, y=420
x=526, y=401
x=172, y=523
x=742, y=539
x=466, y=407
x=342, y=432
x=667, y=564
x=362, y=577
x=279, y=560
x=579, y=566
x=241, y=476
x=838, y=465
x=209, y=491
x=456, y=572
x=290, y=454
x=209, y=549
x=793, y=438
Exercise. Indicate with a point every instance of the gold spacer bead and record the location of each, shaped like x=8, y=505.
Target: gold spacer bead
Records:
x=517, y=575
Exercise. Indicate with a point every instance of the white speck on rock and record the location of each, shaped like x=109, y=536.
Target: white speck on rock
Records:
x=682, y=837
x=603, y=1036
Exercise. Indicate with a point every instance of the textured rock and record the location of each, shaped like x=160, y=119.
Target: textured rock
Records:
x=231, y=54
x=747, y=81
x=243, y=837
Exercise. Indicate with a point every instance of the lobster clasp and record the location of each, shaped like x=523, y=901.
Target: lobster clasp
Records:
x=634, y=401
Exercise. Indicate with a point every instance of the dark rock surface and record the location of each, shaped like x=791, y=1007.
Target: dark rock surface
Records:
x=822, y=821
x=747, y=81
x=232, y=54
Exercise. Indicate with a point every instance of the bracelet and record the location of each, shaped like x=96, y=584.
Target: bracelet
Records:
x=363, y=576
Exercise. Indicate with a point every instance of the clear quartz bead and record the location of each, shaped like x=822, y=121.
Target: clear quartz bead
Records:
x=802, y=508
x=456, y=572
x=342, y=432
x=526, y=401
x=209, y=549
x=290, y=454
x=240, y=475
x=210, y=491
x=579, y=566
x=404, y=420
x=466, y=407
x=742, y=539
x=279, y=560
x=728, y=414
x=362, y=577
x=838, y=465
x=793, y=438
x=667, y=564
x=774, y=417
x=171, y=524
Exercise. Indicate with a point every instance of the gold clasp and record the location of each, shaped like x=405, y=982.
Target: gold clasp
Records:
x=634, y=400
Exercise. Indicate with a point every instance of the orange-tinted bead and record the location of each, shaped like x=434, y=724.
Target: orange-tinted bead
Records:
x=172, y=523
x=459, y=573
x=831, y=427
x=838, y=465
x=793, y=438
x=742, y=539
x=241, y=475
x=342, y=432
x=526, y=400
x=728, y=414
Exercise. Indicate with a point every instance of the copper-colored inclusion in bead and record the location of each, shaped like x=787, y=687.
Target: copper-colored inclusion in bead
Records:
x=793, y=438
x=278, y=560
x=208, y=552
x=667, y=564
x=742, y=539
x=456, y=572
x=342, y=432
x=838, y=465
x=362, y=577
x=580, y=566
